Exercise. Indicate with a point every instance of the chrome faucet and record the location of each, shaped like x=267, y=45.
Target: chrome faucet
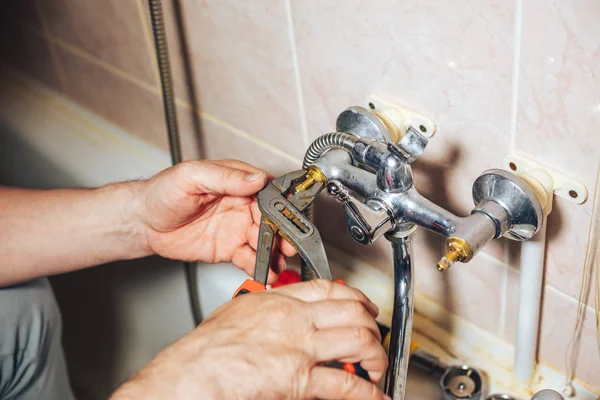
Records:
x=361, y=161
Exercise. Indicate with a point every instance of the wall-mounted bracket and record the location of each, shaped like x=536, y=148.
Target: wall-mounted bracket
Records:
x=400, y=116
x=564, y=186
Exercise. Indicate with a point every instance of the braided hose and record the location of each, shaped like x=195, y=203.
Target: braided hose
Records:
x=166, y=80
x=321, y=145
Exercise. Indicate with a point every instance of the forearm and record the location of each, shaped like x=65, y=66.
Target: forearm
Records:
x=46, y=232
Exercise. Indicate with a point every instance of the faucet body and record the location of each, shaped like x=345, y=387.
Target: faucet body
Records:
x=372, y=178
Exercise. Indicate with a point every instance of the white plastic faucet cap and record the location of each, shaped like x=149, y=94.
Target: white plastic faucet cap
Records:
x=547, y=394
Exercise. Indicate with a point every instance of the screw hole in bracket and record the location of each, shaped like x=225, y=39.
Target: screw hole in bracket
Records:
x=406, y=117
x=564, y=186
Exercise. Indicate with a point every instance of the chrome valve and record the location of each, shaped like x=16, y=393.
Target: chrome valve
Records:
x=360, y=161
x=366, y=223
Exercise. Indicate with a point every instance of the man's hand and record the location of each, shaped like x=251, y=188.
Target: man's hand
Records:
x=272, y=345
x=206, y=211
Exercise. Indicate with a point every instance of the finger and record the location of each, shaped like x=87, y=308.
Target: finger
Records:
x=279, y=263
x=286, y=248
x=245, y=259
x=213, y=178
x=256, y=214
x=252, y=236
x=323, y=289
x=240, y=165
x=330, y=383
x=351, y=345
x=237, y=164
x=344, y=313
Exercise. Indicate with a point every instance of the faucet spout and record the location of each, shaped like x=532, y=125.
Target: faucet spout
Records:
x=402, y=318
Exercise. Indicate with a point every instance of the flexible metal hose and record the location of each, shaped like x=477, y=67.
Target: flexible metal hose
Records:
x=326, y=142
x=321, y=145
x=168, y=94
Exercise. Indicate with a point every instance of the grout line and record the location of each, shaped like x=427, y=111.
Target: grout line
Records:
x=516, y=73
x=246, y=135
x=149, y=40
x=568, y=298
x=146, y=86
x=503, y=303
x=103, y=64
x=298, y=80
x=62, y=78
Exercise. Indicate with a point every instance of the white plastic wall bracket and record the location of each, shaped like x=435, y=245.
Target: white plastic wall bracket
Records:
x=401, y=116
x=564, y=186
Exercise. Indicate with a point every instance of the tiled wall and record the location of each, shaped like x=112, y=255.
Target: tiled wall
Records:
x=497, y=76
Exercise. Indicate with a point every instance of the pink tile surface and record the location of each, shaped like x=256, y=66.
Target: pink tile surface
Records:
x=454, y=66
x=559, y=101
x=222, y=143
x=110, y=30
x=122, y=102
x=473, y=291
x=243, y=68
x=557, y=324
x=558, y=321
x=559, y=117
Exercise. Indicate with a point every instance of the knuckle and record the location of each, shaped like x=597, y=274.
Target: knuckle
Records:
x=356, y=309
x=324, y=287
x=348, y=384
x=363, y=336
x=227, y=173
x=185, y=167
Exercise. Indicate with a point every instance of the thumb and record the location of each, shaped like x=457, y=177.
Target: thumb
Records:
x=219, y=179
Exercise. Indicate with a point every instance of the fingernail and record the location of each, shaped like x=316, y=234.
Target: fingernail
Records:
x=253, y=177
x=388, y=398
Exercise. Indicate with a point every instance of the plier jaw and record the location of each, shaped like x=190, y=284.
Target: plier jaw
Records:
x=281, y=203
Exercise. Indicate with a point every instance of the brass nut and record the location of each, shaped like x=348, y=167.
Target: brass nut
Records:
x=457, y=250
x=313, y=174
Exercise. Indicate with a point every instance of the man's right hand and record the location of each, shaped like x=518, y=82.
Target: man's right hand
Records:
x=272, y=345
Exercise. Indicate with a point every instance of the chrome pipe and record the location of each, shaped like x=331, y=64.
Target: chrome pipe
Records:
x=402, y=318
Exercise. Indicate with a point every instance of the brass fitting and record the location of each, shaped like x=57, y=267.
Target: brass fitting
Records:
x=457, y=250
x=313, y=174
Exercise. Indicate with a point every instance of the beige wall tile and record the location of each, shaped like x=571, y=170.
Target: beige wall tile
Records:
x=557, y=323
x=473, y=291
x=454, y=66
x=110, y=30
x=559, y=117
x=242, y=63
x=223, y=143
x=559, y=104
x=28, y=53
x=134, y=109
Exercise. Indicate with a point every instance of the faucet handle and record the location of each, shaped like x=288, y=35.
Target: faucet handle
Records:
x=410, y=147
x=365, y=223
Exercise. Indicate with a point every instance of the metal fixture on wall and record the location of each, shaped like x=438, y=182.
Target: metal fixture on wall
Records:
x=166, y=80
x=362, y=158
